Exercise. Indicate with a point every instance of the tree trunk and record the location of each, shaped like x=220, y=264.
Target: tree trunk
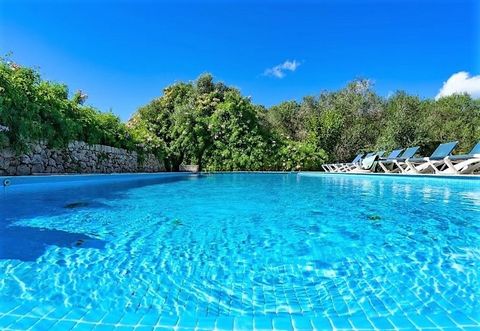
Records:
x=199, y=160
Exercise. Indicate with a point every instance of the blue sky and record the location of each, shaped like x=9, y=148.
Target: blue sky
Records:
x=122, y=54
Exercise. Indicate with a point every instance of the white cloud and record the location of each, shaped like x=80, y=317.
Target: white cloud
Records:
x=461, y=82
x=279, y=71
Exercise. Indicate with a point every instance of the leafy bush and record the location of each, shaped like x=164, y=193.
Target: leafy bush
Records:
x=32, y=109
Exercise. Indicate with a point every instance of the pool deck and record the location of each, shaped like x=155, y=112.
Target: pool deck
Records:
x=447, y=176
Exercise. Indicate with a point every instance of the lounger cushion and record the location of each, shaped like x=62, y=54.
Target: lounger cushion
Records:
x=460, y=157
x=443, y=150
x=409, y=152
x=368, y=162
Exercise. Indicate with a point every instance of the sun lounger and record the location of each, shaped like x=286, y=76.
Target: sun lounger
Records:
x=432, y=164
x=463, y=164
x=336, y=167
x=392, y=163
x=368, y=163
x=393, y=155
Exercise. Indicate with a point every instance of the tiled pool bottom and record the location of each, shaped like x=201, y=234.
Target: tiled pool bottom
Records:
x=242, y=252
x=24, y=317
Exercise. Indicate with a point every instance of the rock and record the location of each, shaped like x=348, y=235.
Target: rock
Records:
x=23, y=170
x=50, y=170
x=38, y=168
x=25, y=159
x=7, y=153
x=37, y=159
x=38, y=149
x=4, y=163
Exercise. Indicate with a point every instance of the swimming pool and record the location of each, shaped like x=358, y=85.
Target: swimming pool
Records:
x=240, y=251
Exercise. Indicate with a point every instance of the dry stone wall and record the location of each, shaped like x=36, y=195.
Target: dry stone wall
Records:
x=77, y=157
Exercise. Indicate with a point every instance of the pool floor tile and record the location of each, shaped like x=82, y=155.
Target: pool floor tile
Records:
x=7, y=320
x=130, y=318
x=442, y=321
x=167, y=321
x=24, y=323
x=401, y=322
x=224, y=323
x=321, y=323
x=283, y=324
x=74, y=314
x=7, y=306
x=463, y=320
x=187, y=322
x=340, y=323
x=124, y=328
x=93, y=316
x=243, y=323
x=64, y=325
x=84, y=326
x=44, y=324
x=104, y=327
x=144, y=328
x=205, y=323
x=262, y=323
x=300, y=322
x=150, y=319
x=382, y=323
x=360, y=322
x=58, y=313
x=112, y=318
x=421, y=321
x=41, y=311
x=23, y=309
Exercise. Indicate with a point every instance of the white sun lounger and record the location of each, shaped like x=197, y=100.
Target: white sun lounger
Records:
x=338, y=167
x=392, y=164
x=463, y=164
x=432, y=164
x=346, y=167
x=367, y=165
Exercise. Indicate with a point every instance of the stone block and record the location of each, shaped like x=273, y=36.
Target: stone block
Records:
x=23, y=170
x=38, y=168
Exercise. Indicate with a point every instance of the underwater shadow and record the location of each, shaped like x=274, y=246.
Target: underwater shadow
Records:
x=18, y=203
x=28, y=243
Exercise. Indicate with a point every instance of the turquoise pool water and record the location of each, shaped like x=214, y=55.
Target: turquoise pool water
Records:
x=240, y=251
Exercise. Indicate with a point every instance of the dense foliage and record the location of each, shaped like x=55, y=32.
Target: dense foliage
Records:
x=33, y=109
x=207, y=123
x=210, y=124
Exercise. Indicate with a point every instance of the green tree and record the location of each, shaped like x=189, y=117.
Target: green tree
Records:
x=456, y=117
x=239, y=142
x=399, y=122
